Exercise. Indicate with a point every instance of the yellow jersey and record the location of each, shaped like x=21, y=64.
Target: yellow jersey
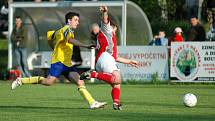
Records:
x=63, y=50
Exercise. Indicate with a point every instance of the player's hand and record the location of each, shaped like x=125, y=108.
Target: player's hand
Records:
x=92, y=46
x=134, y=63
x=103, y=9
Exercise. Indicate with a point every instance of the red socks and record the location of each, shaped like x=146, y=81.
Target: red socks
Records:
x=116, y=95
x=107, y=77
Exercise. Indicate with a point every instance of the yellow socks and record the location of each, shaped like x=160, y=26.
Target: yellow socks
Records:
x=32, y=80
x=85, y=94
x=82, y=89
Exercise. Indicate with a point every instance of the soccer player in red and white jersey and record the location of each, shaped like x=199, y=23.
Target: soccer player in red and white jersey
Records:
x=106, y=58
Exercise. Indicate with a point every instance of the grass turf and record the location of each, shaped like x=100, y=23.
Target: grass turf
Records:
x=62, y=102
x=3, y=55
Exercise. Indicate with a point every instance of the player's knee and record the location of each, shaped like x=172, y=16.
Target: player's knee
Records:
x=49, y=81
x=74, y=76
x=117, y=81
x=117, y=78
x=80, y=83
x=116, y=86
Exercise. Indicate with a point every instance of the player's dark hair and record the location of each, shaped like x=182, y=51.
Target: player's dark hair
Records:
x=194, y=16
x=70, y=15
x=18, y=17
x=162, y=31
x=112, y=23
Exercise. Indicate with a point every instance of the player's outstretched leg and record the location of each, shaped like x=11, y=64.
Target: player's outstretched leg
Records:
x=31, y=80
x=106, y=77
x=114, y=79
x=86, y=75
x=93, y=104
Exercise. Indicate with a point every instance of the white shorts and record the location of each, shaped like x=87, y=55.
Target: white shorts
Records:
x=106, y=63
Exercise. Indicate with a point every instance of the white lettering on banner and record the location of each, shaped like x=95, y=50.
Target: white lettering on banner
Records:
x=193, y=60
x=152, y=59
x=141, y=64
x=147, y=76
x=143, y=55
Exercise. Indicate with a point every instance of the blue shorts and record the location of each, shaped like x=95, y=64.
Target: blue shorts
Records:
x=58, y=68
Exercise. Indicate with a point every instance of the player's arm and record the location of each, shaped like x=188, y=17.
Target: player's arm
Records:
x=77, y=43
x=127, y=61
x=104, y=12
x=105, y=21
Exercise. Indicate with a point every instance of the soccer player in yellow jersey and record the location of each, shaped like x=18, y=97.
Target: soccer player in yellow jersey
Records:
x=61, y=61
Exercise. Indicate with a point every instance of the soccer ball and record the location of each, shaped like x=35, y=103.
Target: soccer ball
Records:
x=190, y=100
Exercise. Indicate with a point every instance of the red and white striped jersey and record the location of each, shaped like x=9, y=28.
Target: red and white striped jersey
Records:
x=106, y=41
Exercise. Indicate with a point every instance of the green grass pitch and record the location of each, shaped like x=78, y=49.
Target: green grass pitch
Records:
x=62, y=102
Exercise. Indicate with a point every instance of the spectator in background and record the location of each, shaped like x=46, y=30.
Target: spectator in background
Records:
x=155, y=41
x=177, y=35
x=211, y=20
x=210, y=35
x=196, y=32
x=159, y=39
x=19, y=47
x=163, y=39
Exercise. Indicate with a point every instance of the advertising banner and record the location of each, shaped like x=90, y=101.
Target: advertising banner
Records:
x=152, y=60
x=193, y=61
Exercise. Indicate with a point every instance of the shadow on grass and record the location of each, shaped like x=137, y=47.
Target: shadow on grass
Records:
x=40, y=108
x=153, y=104
x=169, y=105
x=103, y=115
